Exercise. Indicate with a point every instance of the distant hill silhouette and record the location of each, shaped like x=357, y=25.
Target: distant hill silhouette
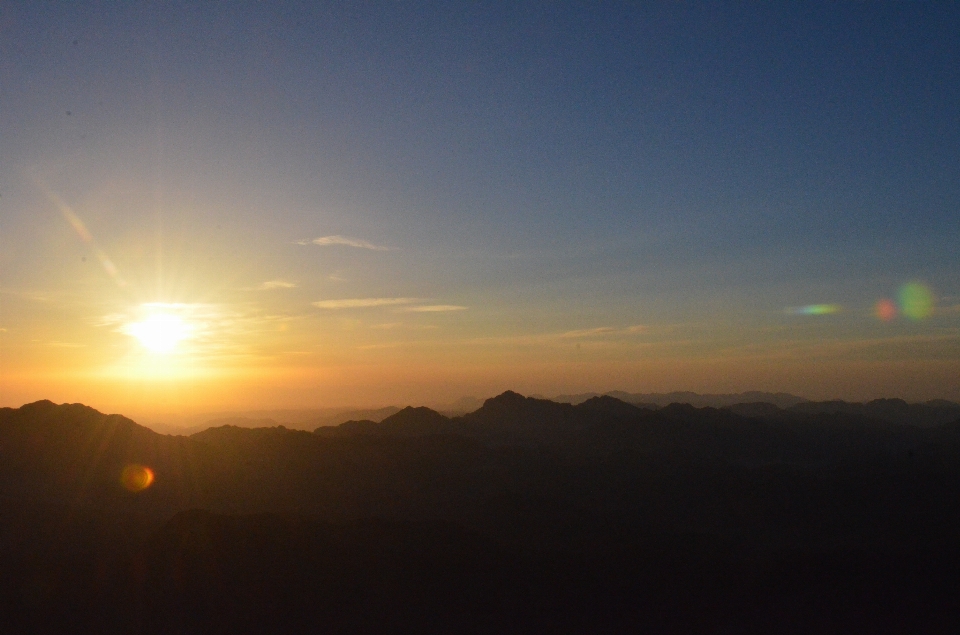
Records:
x=240, y=422
x=780, y=399
x=895, y=411
x=407, y=422
x=525, y=515
x=891, y=410
x=295, y=420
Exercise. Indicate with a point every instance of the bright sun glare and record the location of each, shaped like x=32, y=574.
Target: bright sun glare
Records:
x=160, y=332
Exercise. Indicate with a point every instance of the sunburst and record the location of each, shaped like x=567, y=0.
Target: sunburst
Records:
x=160, y=331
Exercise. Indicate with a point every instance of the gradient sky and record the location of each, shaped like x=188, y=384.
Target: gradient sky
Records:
x=372, y=203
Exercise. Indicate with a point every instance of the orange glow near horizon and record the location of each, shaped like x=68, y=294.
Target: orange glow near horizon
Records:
x=204, y=345
x=435, y=385
x=414, y=220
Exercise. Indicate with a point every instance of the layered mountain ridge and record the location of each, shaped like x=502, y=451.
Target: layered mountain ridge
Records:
x=604, y=514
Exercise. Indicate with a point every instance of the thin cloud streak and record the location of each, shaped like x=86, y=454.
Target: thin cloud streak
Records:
x=604, y=330
x=361, y=303
x=402, y=325
x=436, y=308
x=374, y=347
x=34, y=296
x=276, y=284
x=599, y=333
x=220, y=334
x=346, y=241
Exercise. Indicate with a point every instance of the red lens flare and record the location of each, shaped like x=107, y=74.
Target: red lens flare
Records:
x=885, y=310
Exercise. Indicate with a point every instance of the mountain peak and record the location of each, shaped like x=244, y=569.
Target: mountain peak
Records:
x=44, y=405
x=46, y=408
x=507, y=396
x=511, y=401
x=608, y=405
x=510, y=406
x=411, y=414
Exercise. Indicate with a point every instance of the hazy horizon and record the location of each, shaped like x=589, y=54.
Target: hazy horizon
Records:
x=248, y=206
x=308, y=417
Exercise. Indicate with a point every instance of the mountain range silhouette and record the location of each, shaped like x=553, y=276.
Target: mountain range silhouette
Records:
x=525, y=515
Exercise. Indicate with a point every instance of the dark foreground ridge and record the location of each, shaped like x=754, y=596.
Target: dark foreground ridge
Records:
x=524, y=516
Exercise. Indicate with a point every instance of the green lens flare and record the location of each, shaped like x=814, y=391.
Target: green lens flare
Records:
x=815, y=309
x=916, y=300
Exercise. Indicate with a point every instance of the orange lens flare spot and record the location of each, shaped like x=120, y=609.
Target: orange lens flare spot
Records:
x=885, y=310
x=136, y=478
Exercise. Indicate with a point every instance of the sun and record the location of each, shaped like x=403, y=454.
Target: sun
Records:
x=160, y=332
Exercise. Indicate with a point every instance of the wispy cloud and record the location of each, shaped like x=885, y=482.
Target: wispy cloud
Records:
x=276, y=284
x=941, y=346
x=388, y=326
x=402, y=325
x=220, y=335
x=604, y=330
x=35, y=296
x=346, y=241
x=436, y=308
x=361, y=303
x=600, y=333
x=600, y=330
x=373, y=347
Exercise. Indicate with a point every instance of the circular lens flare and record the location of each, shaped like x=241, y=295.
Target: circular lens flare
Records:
x=136, y=478
x=916, y=300
x=885, y=310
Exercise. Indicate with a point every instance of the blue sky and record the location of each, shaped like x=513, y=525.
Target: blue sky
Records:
x=558, y=174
